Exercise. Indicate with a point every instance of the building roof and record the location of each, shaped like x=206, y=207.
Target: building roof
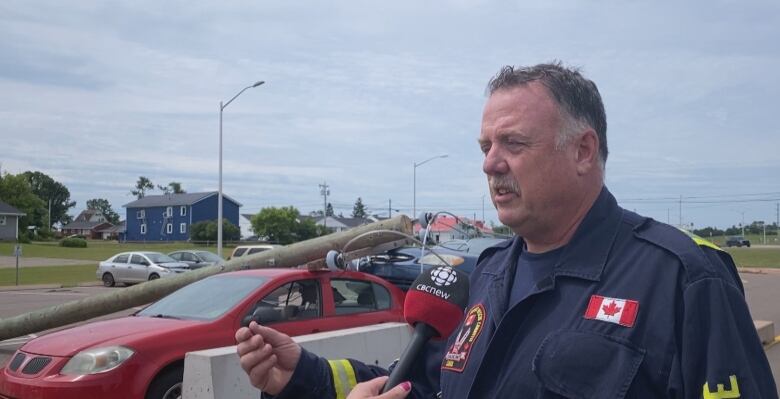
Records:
x=6, y=209
x=174, y=200
x=121, y=227
x=445, y=223
x=83, y=225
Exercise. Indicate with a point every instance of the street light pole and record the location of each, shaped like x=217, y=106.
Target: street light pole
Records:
x=219, y=197
x=414, y=195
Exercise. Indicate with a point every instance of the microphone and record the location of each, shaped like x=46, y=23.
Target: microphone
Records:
x=434, y=306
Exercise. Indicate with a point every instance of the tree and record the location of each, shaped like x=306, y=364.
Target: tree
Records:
x=176, y=187
x=15, y=190
x=329, y=210
x=207, y=231
x=47, y=189
x=102, y=205
x=359, y=210
x=141, y=186
x=283, y=225
x=173, y=187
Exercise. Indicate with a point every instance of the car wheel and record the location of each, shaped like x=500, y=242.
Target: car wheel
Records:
x=747, y=245
x=108, y=280
x=154, y=276
x=167, y=385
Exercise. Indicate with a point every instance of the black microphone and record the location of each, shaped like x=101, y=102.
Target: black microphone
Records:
x=434, y=306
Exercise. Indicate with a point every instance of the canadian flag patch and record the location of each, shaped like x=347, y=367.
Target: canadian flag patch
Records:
x=613, y=310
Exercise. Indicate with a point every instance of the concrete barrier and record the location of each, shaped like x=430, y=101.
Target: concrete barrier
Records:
x=216, y=373
x=766, y=331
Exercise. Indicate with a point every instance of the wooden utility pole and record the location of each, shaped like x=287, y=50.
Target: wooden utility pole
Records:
x=311, y=251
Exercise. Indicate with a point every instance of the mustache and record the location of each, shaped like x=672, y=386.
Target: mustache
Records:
x=503, y=182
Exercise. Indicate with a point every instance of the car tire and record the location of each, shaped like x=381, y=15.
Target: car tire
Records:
x=747, y=245
x=108, y=280
x=154, y=276
x=167, y=385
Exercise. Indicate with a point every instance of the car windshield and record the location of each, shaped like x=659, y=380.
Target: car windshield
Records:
x=189, y=302
x=209, y=256
x=158, y=257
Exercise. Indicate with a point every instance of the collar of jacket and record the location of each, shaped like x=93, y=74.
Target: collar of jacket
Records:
x=584, y=257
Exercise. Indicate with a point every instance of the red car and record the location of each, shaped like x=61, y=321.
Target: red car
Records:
x=142, y=356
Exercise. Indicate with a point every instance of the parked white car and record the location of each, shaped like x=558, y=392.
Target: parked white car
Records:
x=137, y=267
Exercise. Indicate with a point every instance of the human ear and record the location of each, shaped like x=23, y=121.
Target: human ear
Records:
x=587, y=155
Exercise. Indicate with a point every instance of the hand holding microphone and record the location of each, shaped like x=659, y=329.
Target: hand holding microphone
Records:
x=434, y=306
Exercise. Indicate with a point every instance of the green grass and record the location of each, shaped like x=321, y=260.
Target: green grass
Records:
x=96, y=250
x=755, y=239
x=65, y=275
x=755, y=257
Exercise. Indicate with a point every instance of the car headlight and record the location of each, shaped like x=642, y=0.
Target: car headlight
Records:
x=97, y=360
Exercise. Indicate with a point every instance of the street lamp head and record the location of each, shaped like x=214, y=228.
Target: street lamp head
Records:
x=258, y=83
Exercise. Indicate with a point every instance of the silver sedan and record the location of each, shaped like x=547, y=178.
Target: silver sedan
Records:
x=137, y=267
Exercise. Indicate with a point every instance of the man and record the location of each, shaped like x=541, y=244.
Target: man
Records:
x=588, y=301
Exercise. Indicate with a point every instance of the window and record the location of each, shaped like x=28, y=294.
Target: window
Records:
x=183, y=228
x=169, y=228
x=298, y=300
x=138, y=260
x=186, y=256
x=2, y=220
x=182, y=211
x=354, y=296
x=121, y=258
x=143, y=228
x=256, y=250
x=177, y=255
x=168, y=212
x=140, y=214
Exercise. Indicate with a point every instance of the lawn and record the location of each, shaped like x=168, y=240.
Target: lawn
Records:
x=755, y=239
x=96, y=250
x=756, y=257
x=65, y=275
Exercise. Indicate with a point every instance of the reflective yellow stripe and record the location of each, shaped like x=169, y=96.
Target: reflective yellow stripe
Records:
x=343, y=377
x=350, y=375
x=705, y=243
x=700, y=241
x=335, y=370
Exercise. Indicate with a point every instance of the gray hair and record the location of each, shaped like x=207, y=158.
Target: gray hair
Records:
x=578, y=98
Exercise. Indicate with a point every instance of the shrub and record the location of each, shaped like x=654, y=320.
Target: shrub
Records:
x=74, y=242
x=24, y=239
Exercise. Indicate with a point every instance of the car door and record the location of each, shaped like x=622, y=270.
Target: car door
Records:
x=118, y=267
x=137, y=269
x=293, y=307
x=190, y=259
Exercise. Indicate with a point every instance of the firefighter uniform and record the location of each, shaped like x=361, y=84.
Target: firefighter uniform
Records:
x=631, y=309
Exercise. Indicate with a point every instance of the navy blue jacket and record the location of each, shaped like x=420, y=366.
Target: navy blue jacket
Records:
x=633, y=309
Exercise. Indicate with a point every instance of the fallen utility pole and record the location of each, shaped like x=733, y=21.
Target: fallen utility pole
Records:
x=363, y=240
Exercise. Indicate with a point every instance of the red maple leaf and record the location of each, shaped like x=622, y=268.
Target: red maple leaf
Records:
x=611, y=309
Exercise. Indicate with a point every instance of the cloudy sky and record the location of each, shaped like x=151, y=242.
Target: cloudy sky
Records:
x=97, y=93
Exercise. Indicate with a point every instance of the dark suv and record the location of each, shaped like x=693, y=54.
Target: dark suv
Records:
x=737, y=241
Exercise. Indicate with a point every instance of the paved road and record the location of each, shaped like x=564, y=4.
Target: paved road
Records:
x=17, y=302
x=761, y=288
x=762, y=295
x=10, y=261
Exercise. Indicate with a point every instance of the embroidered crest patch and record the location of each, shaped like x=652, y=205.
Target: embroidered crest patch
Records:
x=613, y=310
x=458, y=354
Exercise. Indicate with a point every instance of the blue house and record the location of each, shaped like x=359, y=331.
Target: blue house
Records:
x=169, y=217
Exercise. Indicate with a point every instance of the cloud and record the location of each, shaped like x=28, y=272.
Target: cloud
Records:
x=100, y=93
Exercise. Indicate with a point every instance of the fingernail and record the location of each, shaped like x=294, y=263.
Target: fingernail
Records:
x=406, y=386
